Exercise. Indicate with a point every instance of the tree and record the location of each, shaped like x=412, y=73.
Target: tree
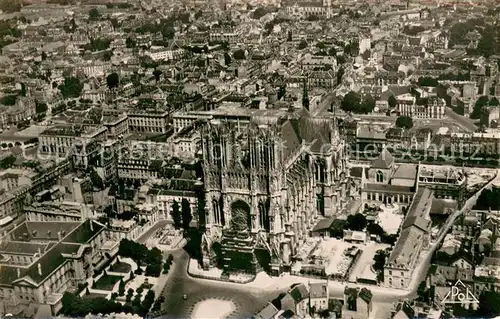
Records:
x=8, y=100
x=121, y=288
x=148, y=301
x=227, y=58
x=392, y=101
x=281, y=92
x=23, y=89
x=259, y=13
x=112, y=80
x=168, y=32
x=366, y=55
x=94, y=14
x=423, y=292
x=130, y=293
x=332, y=51
x=239, y=54
x=71, y=88
x=302, y=45
x=478, y=106
x=130, y=43
x=367, y=105
x=494, y=101
x=321, y=45
x=375, y=229
x=186, y=214
x=157, y=74
x=99, y=44
x=489, y=304
x=106, y=56
x=404, y=122
x=379, y=260
x=351, y=102
x=176, y=215
x=115, y=23
x=428, y=81
x=356, y=222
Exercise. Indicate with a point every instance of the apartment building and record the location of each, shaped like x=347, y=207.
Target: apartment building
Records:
x=61, y=140
x=434, y=108
x=148, y=121
x=186, y=142
x=415, y=235
x=304, y=9
x=41, y=260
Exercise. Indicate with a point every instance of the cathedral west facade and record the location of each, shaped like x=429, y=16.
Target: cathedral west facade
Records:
x=266, y=186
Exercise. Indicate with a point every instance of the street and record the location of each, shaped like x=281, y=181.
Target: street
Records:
x=461, y=120
x=248, y=300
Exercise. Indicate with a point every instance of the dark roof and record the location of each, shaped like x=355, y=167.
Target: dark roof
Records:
x=365, y=295
x=417, y=212
x=388, y=188
x=299, y=126
x=267, y=312
x=324, y=224
x=50, y=261
x=299, y=293
x=357, y=171
x=384, y=160
x=84, y=233
x=52, y=253
x=42, y=230
x=22, y=247
x=406, y=308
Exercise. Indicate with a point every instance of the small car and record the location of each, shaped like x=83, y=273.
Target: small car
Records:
x=185, y=297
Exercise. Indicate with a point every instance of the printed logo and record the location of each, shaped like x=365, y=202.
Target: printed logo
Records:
x=460, y=294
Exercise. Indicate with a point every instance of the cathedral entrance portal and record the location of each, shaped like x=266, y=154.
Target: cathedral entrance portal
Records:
x=240, y=216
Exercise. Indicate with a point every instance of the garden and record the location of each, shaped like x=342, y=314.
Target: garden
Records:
x=121, y=267
x=106, y=282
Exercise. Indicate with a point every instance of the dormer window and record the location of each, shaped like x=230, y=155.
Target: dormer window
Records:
x=380, y=177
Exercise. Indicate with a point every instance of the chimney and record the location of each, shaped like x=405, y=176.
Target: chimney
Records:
x=39, y=269
x=91, y=226
x=39, y=251
x=59, y=235
x=18, y=272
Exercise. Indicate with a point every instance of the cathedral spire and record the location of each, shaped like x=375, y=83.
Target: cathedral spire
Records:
x=305, y=97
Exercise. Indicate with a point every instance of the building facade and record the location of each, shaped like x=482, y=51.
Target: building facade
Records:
x=267, y=185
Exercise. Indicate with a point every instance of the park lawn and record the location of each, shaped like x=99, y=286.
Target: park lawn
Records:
x=121, y=267
x=107, y=282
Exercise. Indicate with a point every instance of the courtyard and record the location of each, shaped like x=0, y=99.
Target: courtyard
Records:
x=337, y=259
x=390, y=218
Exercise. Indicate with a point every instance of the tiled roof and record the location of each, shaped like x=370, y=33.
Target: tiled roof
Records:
x=84, y=233
x=406, y=171
x=384, y=160
x=50, y=261
x=42, y=230
x=365, y=295
x=388, y=188
x=22, y=247
x=299, y=293
x=318, y=290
